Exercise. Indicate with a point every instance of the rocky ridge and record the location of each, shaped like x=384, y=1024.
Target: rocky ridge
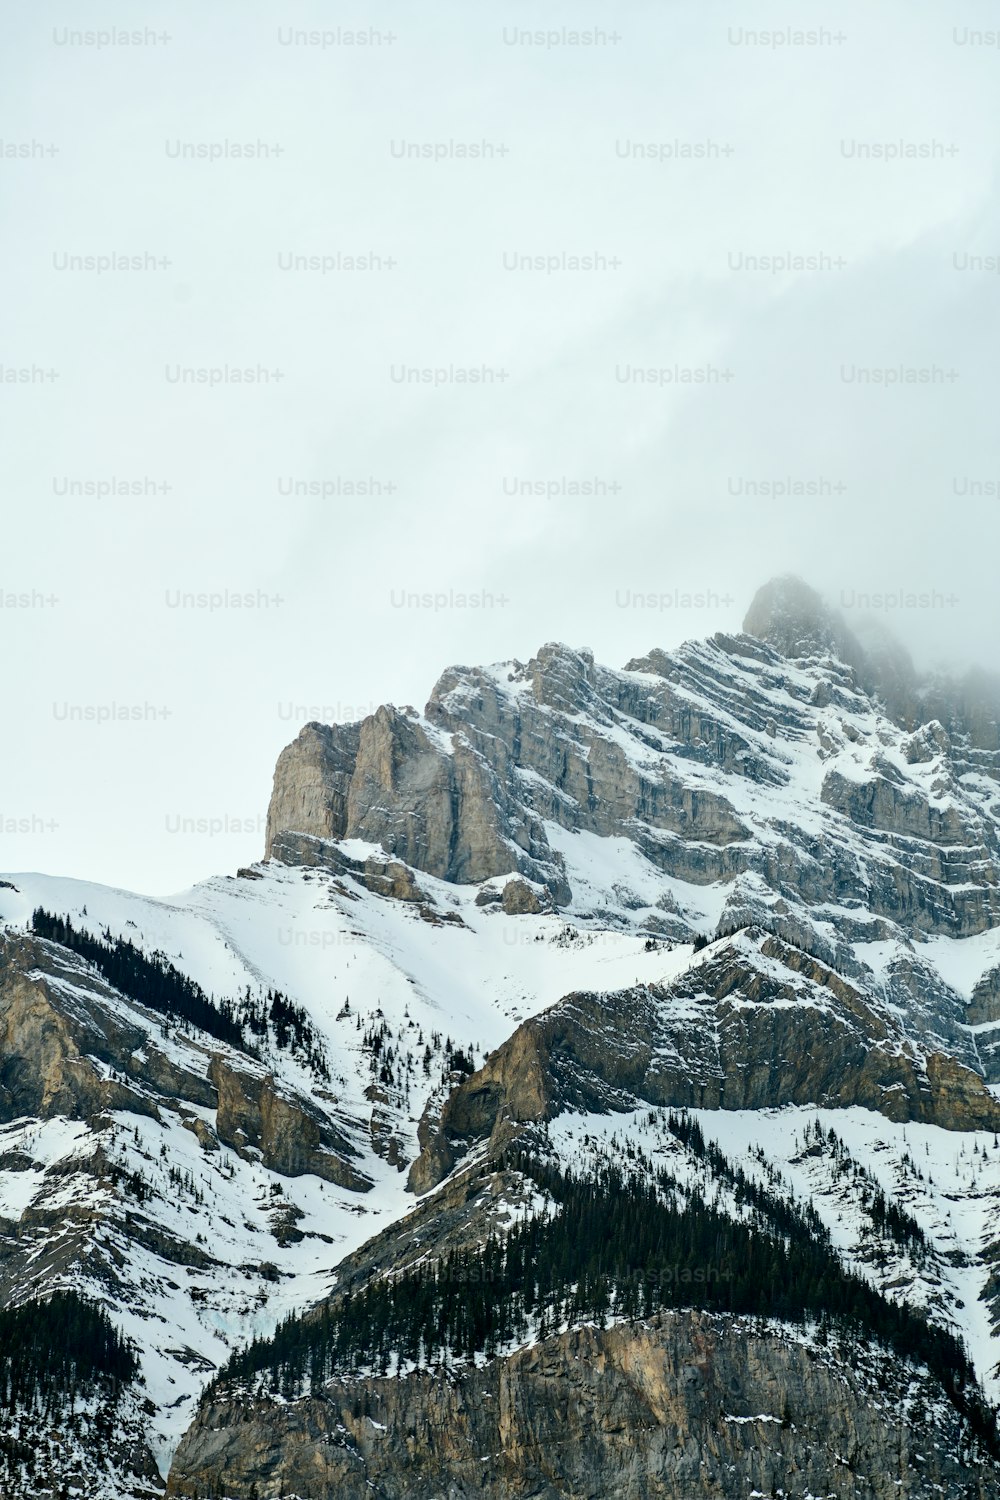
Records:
x=830, y=796
x=754, y=1024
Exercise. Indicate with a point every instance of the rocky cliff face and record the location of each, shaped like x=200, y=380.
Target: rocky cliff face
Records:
x=755, y=1025
x=71, y=1049
x=68, y=1049
x=392, y=781
x=705, y=759
x=679, y=1407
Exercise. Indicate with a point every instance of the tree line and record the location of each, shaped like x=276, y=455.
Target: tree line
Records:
x=153, y=981
x=59, y=1348
x=610, y=1244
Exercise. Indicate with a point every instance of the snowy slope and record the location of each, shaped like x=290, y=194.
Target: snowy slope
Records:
x=328, y=945
x=328, y=951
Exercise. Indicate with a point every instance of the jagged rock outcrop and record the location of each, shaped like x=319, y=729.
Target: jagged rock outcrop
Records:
x=793, y=618
x=61, y=1030
x=519, y=899
x=70, y=1047
x=883, y=801
x=384, y=877
x=312, y=782
x=757, y=1025
x=681, y=1407
x=393, y=781
x=292, y=1136
x=984, y=1006
x=677, y=753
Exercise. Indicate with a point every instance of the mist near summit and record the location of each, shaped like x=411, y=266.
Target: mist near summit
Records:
x=349, y=348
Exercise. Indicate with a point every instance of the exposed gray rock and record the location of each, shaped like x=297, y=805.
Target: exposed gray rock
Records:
x=62, y=1028
x=885, y=802
x=520, y=899
x=793, y=618
x=756, y=1025
x=312, y=782
x=683, y=1406
x=663, y=753
x=292, y=1135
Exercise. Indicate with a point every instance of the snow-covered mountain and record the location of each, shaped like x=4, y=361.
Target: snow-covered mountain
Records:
x=752, y=885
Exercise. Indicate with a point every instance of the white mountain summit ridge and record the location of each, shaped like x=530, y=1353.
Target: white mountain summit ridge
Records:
x=485, y=918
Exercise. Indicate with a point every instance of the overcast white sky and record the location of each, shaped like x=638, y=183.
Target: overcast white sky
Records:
x=96, y=162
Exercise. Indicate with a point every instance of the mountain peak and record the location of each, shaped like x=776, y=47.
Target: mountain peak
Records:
x=791, y=616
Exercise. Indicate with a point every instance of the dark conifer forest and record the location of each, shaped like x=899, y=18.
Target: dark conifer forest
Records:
x=59, y=1348
x=609, y=1244
x=153, y=981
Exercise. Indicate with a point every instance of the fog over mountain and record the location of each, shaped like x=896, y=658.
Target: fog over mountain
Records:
x=707, y=298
